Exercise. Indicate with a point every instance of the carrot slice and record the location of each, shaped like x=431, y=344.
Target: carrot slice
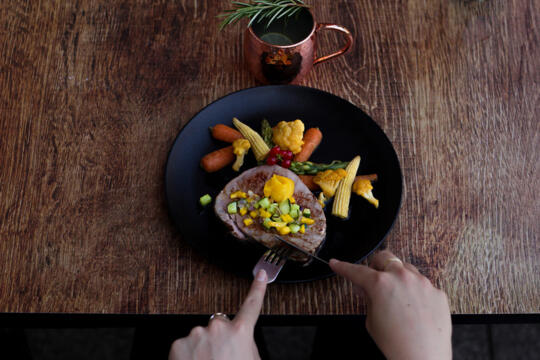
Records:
x=217, y=160
x=308, y=180
x=370, y=177
x=225, y=133
x=312, y=139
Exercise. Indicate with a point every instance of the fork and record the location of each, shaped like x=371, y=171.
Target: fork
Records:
x=272, y=262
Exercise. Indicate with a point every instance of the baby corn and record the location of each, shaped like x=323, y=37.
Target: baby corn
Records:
x=343, y=193
x=259, y=147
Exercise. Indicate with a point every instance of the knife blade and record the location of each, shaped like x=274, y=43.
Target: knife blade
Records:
x=301, y=250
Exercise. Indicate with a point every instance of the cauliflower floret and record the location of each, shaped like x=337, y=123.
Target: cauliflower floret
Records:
x=363, y=188
x=329, y=180
x=288, y=135
x=240, y=149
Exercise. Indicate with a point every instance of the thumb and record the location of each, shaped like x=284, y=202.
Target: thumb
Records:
x=360, y=275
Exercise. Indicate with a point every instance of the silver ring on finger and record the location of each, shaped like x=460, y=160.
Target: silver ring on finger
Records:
x=391, y=260
x=219, y=315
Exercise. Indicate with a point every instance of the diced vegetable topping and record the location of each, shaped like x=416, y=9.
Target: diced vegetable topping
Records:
x=285, y=206
x=287, y=218
x=284, y=217
x=264, y=203
x=232, y=208
x=284, y=230
x=205, y=200
x=238, y=194
x=294, y=228
x=307, y=221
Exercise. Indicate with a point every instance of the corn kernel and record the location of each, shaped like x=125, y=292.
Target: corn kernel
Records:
x=303, y=229
x=287, y=218
x=243, y=211
x=284, y=230
x=308, y=221
x=248, y=221
x=254, y=214
x=238, y=194
x=291, y=199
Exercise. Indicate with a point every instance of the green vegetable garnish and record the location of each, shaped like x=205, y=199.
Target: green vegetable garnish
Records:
x=285, y=206
x=267, y=133
x=264, y=203
x=295, y=211
x=205, y=200
x=294, y=228
x=309, y=168
x=232, y=208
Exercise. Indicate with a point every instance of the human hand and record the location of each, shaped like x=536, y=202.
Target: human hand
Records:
x=407, y=317
x=223, y=338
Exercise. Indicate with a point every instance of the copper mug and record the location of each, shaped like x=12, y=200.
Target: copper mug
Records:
x=285, y=51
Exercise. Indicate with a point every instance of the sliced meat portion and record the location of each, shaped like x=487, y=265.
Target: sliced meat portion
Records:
x=254, y=180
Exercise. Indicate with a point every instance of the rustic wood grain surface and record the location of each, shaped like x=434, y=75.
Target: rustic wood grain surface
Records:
x=93, y=94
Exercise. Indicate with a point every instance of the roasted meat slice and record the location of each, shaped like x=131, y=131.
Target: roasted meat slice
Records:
x=254, y=180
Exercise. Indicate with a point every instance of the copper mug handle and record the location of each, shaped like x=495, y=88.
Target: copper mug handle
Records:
x=341, y=51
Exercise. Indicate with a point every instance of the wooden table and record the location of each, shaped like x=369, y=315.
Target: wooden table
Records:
x=93, y=94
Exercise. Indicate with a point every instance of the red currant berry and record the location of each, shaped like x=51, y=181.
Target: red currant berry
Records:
x=287, y=155
x=286, y=163
x=271, y=160
x=274, y=151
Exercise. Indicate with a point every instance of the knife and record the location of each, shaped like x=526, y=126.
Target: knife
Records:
x=301, y=250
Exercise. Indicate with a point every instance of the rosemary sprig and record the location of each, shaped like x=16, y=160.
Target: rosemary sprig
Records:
x=259, y=10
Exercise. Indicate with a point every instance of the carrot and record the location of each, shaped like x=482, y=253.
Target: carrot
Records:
x=308, y=180
x=370, y=177
x=225, y=133
x=312, y=139
x=217, y=160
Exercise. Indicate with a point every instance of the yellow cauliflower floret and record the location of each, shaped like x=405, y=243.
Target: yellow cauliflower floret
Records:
x=240, y=149
x=289, y=135
x=329, y=180
x=363, y=188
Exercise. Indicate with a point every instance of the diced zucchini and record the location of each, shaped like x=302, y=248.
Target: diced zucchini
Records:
x=264, y=203
x=256, y=205
x=273, y=208
x=295, y=211
x=266, y=223
x=294, y=228
x=285, y=206
x=205, y=200
x=306, y=213
x=232, y=208
x=276, y=217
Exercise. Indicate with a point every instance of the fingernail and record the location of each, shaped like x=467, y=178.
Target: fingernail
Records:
x=261, y=275
x=334, y=262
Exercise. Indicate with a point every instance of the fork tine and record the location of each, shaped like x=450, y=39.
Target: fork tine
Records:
x=272, y=262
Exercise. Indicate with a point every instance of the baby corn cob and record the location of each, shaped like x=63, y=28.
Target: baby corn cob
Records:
x=259, y=147
x=343, y=193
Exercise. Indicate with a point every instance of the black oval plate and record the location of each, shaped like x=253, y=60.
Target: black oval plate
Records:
x=347, y=132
